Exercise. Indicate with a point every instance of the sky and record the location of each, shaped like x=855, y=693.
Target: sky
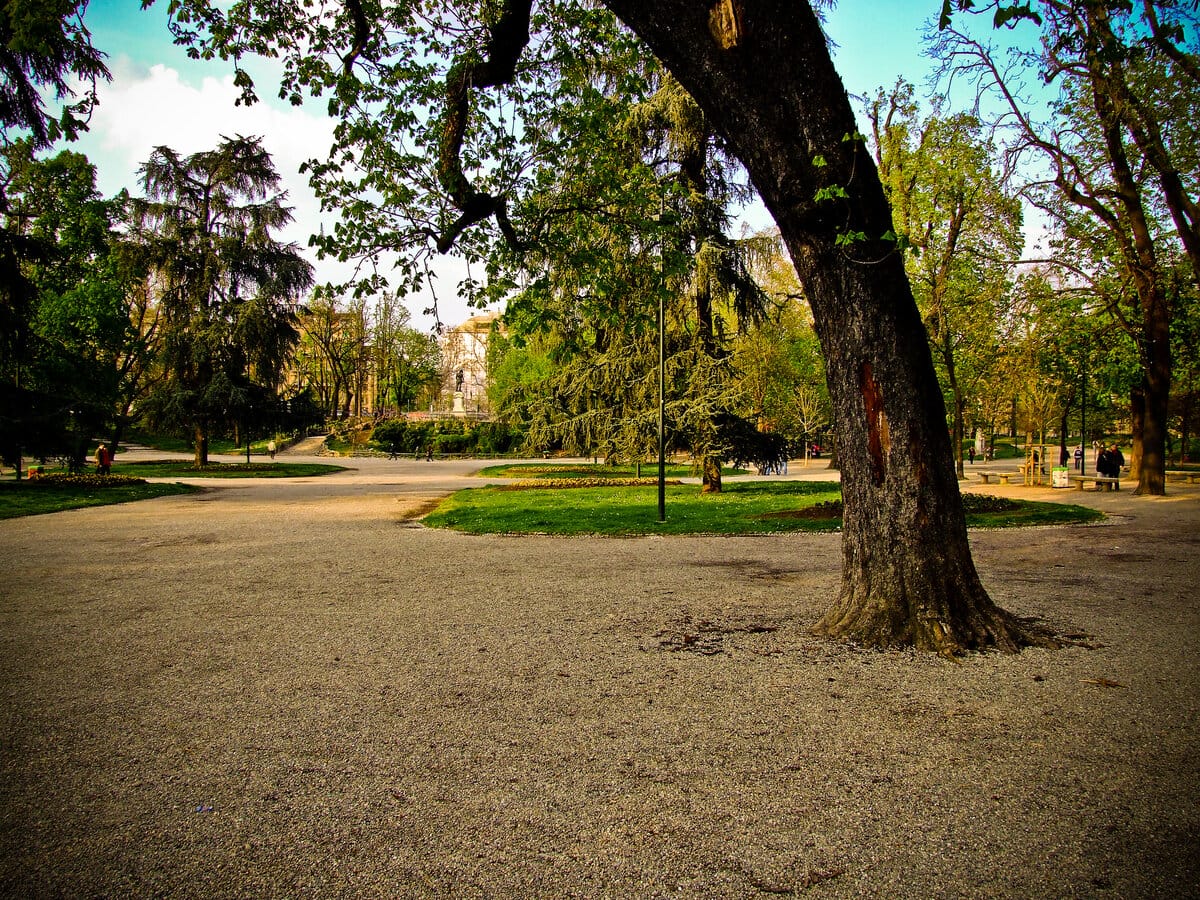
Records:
x=160, y=97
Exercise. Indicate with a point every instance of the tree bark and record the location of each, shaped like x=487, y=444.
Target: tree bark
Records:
x=1185, y=427
x=761, y=70
x=711, y=479
x=200, y=435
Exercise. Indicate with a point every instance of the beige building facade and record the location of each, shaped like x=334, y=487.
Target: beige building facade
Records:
x=464, y=365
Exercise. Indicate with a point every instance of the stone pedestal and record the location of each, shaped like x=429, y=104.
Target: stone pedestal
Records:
x=459, y=409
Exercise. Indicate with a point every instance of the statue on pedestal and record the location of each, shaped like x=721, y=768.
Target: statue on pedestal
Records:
x=458, y=393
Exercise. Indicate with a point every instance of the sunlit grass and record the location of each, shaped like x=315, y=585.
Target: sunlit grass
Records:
x=742, y=508
x=183, y=468
x=31, y=498
x=556, y=471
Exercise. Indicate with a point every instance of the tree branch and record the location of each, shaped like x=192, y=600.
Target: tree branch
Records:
x=507, y=39
x=362, y=33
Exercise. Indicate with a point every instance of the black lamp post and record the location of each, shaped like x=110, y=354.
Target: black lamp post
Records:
x=662, y=289
x=662, y=459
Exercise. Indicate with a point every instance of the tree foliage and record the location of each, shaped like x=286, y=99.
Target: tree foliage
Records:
x=226, y=286
x=45, y=47
x=1118, y=153
x=63, y=368
x=953, y=210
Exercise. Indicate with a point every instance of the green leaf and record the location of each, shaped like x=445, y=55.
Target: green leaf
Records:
x=1008, y=16
x=832, y=192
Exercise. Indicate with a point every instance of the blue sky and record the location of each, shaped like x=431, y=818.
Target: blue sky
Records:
x=159, y=96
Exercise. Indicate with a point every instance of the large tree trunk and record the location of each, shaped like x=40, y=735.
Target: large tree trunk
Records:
x=761, y=70
x=200, y=436
x=1185, y=427
x=1156, y=395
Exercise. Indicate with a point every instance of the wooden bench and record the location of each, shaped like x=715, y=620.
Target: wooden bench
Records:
x=1192, y=477
x=1099, y=480
x=1003, y=476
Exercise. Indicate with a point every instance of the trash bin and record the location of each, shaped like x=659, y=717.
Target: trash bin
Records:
x=1060, y=477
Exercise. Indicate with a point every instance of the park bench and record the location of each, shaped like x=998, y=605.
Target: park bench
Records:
x=1108, y=483
x=1003, y=476
x=1192, y=477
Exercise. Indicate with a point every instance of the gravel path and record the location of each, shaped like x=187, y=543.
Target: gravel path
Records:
x=291, y=689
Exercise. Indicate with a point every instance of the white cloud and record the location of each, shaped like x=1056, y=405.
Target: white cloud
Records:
x=143, y=108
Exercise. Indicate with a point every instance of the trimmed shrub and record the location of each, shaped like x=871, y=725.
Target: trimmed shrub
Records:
x=452, y=443
x=400, y=436
x=496, y=438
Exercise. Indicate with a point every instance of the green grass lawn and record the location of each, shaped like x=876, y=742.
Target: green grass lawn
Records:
x=31, y=498
x=742, y=508
x=593, y=471
x=183, y=468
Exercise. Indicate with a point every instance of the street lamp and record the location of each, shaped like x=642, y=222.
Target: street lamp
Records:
x=662, y=290
x=662, y=457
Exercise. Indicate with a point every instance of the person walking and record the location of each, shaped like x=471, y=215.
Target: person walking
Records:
x=271, y=447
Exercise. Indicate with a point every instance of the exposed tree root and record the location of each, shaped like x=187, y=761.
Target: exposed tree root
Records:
x=983, y=627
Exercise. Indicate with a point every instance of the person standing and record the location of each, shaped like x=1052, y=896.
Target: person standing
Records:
x=271, y=447
x=1079, y=458
x=102, y=460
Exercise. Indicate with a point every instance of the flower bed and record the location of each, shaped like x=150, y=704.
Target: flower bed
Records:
x=552, y=483
x=91, y=481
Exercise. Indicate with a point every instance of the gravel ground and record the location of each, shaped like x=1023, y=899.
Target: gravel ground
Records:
x=291, y=689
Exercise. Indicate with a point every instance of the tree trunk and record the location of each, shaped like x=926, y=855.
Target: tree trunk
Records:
x=711, y=480
x=1140, y=259
x=1064, y=454
x=1185, y=428
x=761, y=70
x=200, y=436
x=1137, y=422
x=959, y=431
x=1152, y=465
